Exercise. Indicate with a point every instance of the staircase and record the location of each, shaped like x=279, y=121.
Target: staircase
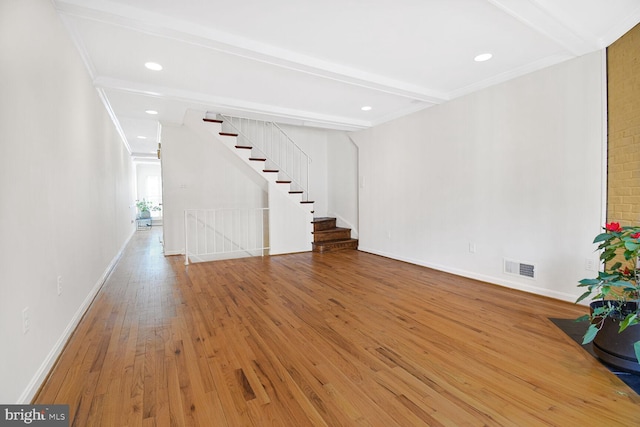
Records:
x=265, y=148
x=327, y=237
x=269, y=147
x=272, y=153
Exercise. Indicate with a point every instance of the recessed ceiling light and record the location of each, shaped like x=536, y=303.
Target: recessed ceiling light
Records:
x=366, y=108
x=483, y=57
x=151, y=112
x=153, y=66
x=142, y=137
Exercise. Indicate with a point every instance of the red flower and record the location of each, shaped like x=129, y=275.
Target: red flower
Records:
x=613, y=226
x=636, y=235
x=626, y=272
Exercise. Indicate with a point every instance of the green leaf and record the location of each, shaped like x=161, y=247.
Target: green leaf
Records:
x=605, y=276
x=602, y=237
x=636, y=349
x=590, y=334
x=583, y=296
x=587, y=282
x=631, y=245
x=631, y=319
x=620, y=284
x=602, y=310
x=616, y=266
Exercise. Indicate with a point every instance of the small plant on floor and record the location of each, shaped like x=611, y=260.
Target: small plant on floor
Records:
x=617, y=285
x=146, y=206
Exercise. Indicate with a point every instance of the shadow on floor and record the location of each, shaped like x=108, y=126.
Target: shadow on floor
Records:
x=575, y=330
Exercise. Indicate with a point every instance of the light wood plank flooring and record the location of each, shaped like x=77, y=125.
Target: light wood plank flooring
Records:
x=336, y=339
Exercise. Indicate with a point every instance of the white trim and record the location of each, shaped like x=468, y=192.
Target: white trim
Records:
x=114, y=118
x=173, y=253
x=43, y=371
x=622, y=27
x=412, y=108
x=538, y=17
x=91, y=69
x=605, y=140
x=483, y=278
x=543, y=63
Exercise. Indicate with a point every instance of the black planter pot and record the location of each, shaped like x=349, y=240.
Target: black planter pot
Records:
x=615, y=348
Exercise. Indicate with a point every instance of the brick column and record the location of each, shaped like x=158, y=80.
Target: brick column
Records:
x=623, y=86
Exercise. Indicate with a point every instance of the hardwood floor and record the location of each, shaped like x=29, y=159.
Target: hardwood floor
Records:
x=335, y=339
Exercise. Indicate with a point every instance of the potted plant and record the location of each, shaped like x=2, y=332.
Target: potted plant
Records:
x=145, y=207
x=615, y=295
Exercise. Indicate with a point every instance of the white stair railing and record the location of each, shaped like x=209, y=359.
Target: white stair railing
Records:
x=212, y=234
x=270, y=142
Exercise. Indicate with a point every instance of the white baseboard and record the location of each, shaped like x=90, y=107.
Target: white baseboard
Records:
x=563, y=296
x=172, y=253
x=41, y=374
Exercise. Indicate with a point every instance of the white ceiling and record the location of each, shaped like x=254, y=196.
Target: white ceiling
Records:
x=317, y=63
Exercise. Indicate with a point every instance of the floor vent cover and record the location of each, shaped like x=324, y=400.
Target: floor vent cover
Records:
x=519, y=268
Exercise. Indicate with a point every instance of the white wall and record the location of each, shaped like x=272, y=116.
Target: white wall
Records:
x=515, y=169
x=66, y=186
x=290, y=223
x=342, y=180
x=313, y=142
x=334, y=172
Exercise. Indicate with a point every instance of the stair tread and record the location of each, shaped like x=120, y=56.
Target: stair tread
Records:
x=307, y=201
x=283, y=182
x=323, y=224
x=332, y=230
x=322, y=219
x=257, y=159
x=212, y=120
x=228, y=134
x=270, y=170
x=244, y=147
x=328, y=242
x=296, y=192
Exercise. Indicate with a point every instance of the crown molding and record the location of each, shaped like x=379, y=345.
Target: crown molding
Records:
x=537, y=16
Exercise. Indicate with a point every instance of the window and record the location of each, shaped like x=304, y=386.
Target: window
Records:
x=153, y=189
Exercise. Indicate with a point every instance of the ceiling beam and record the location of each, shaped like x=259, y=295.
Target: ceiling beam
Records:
x=188, y=32
x=190, y=99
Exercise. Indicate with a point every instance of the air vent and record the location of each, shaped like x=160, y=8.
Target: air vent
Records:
x=519, y=268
